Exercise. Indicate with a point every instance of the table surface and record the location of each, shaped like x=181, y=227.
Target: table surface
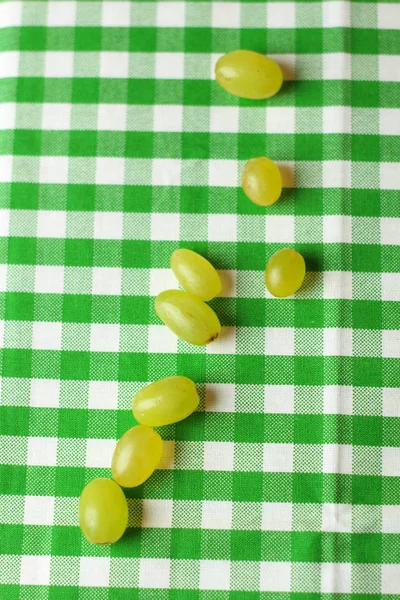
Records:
x=116, y=148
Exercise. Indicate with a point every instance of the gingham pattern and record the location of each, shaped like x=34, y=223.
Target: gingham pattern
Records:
x=117, y=147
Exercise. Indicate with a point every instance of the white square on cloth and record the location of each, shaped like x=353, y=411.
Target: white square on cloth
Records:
x=169, y=65
x=154, y=573
x=108, y=225
x=59, y=64
x=115, y=14
x=46, y=335
x=49, y=280
x=281, y=15
x=45, y=392
x=104, y=337
x=218, y=456
x=216, y=514
x=275, y=576
x=276, y=516
x=39, y=510
x=170, y=14
x=107, y=281
x=99, y=453
x=214, y=574
x=11, y=13
x=94, y=571
x=112, y=117
x=51, y=223
x=61, y=14
x=165, y=226
x=42, y=451
x=35, y=570
x=103, y=395
x=156, y=513
x=167, y=117
x=114, y=65
x=278, y=458
x=56, y=116
x=222, y=228
x=226, y=15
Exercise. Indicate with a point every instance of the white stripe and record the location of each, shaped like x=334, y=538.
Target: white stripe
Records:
x=211, y=456
x=151, y=513
x=175, y=65
x=175, y=172
x=232, y=15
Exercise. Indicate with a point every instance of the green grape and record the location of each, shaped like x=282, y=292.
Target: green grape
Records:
x=136, y=455
x=195, y=274
x=103, y=511
x=285, y=273
x=165, y=401
x=261, y=181
x=188, y=317
x=248, y=74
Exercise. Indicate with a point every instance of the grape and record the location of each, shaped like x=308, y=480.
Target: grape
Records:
x=248, y=74
x=285, y=272
x=136, y=455
x=188, y=317
x=261, y=181
x=195, y=274
x=165, y=401
x=103, y=511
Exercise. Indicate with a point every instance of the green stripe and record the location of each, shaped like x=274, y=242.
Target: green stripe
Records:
x=190, y=145
x=358, y=430
x=213, y=485
x=364, y=94
x=250, y=312
x=201, y=39
x=86, y=252
x=273, y=546
x=301, y=201
x=115, y=593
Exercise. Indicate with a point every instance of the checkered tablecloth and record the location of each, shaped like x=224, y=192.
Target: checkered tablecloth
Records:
x=116, y=148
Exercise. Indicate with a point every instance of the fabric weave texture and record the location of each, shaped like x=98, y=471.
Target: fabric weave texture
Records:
x=117, y=147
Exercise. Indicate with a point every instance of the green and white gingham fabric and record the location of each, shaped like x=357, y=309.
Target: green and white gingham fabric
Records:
x=116, y=148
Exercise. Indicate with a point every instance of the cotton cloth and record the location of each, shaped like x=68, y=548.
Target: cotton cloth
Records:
x=117, y=146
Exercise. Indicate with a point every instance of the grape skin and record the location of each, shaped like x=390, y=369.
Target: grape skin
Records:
x=103, y=511
x=136, y=455
x=195, y=274
x=188, y=317
x=248, y=74
x=165, y=401
x=262, y=181
x=285, y=272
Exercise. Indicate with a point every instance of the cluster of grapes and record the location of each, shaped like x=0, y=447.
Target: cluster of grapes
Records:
x=254, y=76
x=103, y=509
